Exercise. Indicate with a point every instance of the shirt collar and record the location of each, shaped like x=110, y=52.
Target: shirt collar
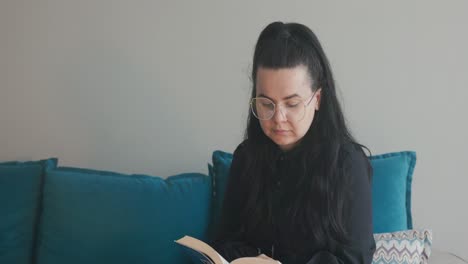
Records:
x=288, y=155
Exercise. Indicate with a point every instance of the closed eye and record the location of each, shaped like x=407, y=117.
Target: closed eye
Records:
x=293, y=103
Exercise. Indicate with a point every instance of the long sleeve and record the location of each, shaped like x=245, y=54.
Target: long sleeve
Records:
x=359, y=221
x=228, y=240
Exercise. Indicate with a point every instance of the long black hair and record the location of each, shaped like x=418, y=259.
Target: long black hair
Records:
x=319, y=203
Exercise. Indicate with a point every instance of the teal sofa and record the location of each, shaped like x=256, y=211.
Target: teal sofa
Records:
x=55, y=215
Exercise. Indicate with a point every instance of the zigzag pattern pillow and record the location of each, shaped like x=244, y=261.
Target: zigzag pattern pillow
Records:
x=405, y=247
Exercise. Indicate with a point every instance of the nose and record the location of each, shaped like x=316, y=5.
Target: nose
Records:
x=280, y=115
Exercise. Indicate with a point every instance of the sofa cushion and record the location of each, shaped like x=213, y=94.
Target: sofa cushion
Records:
x=443, y=257
x=391, y=188
x=92, y=217
x=20, y=184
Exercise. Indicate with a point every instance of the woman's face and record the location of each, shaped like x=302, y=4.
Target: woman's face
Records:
x=286, y=87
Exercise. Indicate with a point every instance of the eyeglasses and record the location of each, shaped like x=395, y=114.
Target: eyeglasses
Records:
x=294, y=109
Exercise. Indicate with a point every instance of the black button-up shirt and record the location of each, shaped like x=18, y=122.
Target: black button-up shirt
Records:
x=280, y=239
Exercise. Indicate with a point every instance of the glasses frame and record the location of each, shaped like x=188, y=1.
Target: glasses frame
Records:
x=275, y=108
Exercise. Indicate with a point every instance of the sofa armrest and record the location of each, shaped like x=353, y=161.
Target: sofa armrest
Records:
x=443, y=257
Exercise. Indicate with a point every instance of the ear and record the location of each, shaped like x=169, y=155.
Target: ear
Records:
x=318, y=95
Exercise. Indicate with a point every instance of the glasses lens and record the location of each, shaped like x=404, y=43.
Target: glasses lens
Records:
x=294, y=109
x=262, y=108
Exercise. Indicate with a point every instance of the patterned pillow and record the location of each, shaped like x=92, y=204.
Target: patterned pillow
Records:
x=406, y=247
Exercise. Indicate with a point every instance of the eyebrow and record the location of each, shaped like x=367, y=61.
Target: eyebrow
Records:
x=285, y=98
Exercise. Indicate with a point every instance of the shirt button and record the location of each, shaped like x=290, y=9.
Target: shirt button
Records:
x=278, y=183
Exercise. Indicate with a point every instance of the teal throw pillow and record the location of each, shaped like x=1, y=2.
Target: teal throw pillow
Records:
x=391, y=191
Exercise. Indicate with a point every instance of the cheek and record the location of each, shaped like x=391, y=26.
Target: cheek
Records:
x=265, y=125
x=304, y=126
x=310, y=118
x=300, y=129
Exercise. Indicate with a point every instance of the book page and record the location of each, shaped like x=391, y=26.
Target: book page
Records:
x=222, y=259
x=253, y=260
x=197, y=256
x=205, y=249
x=202, y=247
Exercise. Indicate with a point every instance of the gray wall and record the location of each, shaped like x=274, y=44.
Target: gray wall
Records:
x=154, y=87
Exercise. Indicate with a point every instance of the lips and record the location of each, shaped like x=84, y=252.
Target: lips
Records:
x=280, y=131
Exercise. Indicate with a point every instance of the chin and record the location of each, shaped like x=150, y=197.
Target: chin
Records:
x=286, y=147
x=282, y=141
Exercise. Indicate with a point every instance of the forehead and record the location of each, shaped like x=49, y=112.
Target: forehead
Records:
x=279, y=83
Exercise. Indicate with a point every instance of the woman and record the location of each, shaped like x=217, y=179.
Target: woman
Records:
x=299, y=189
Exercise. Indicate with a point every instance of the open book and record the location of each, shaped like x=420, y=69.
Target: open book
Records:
x=202, y=253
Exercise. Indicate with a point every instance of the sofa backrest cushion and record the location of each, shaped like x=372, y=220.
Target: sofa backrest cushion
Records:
x=391, y=188
x=20, y=189
x=105, y=217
